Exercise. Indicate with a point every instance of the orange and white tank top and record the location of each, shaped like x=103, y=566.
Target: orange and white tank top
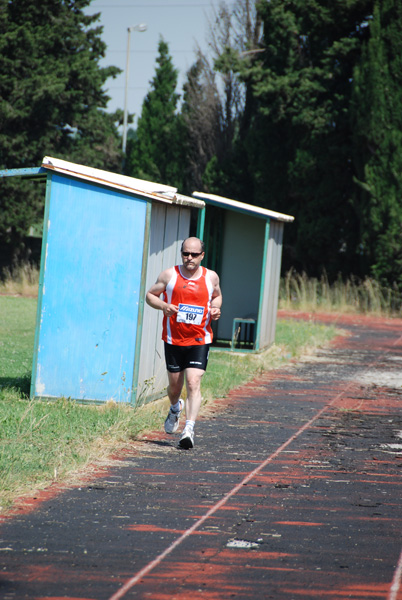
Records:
x=192, y=324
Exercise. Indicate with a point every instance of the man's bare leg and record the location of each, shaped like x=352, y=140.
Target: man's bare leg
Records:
x=194, y=398
x=176, y=381
x=174, y=389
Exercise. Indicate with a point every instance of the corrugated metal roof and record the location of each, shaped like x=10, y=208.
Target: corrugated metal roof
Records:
x=243, y=207
x=147, y=189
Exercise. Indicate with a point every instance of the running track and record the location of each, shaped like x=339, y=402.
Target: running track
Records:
x=292, y=492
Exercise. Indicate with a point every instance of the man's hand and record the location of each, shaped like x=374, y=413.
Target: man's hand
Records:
x=215, y=313
x=170, y=309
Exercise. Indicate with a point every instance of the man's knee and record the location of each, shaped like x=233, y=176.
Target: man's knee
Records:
x=193, y=378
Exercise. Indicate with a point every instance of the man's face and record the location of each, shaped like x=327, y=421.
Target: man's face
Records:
x=193, y=260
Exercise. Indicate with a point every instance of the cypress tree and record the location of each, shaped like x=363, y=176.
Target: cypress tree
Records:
x=377, y=123
x=154, y=152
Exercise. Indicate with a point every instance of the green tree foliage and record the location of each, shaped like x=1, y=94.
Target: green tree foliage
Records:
x=51, y=100
x=377, y=137
x=319, y=134
x=299, y=139
x=155, y=152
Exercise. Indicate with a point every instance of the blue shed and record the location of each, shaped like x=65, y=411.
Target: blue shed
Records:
x=105, y=239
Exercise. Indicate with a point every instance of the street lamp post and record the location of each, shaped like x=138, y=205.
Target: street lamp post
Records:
x=141, y=27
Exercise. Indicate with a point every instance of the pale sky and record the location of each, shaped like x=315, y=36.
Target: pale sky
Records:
x=182, y=23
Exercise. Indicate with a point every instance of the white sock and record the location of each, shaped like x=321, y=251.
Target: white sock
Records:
x=176, y=407
x=190, y=424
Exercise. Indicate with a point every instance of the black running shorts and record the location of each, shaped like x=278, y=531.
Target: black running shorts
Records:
x=179, y=358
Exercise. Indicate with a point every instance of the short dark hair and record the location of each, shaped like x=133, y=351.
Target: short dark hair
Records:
x=201, y=242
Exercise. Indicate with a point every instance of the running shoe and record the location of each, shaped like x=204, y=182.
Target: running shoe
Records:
x=187, y=438
x=172, y=420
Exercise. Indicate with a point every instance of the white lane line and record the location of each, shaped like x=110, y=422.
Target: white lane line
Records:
x=396, y=582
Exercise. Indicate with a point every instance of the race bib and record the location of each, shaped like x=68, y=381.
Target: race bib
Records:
x=190, y=314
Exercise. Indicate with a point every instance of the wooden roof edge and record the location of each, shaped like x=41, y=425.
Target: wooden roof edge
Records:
x=147, y=189
x=243, y=207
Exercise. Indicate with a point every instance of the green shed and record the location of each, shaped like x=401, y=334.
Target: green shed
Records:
x=244, y=246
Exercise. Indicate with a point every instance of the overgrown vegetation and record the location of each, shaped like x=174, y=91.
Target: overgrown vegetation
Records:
x=43, y=442
x=20, y=280
x=298, y=291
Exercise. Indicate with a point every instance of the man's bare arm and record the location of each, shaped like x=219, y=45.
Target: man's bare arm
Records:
x=155, y=291
x=216, y=302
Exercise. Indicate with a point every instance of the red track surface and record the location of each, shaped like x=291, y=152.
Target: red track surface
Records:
x=293, y=491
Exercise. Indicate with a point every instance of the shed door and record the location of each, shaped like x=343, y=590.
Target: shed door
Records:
x=88, y=305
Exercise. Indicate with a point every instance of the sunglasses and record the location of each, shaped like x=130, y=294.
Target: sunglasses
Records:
x=193, y=254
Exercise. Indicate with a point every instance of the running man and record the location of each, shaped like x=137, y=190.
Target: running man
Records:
x=191, y=299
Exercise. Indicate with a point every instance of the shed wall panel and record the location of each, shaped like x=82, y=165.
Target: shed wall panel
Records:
x=169, y=227
x=269, y=298
x=151, y=376
x=90, y=296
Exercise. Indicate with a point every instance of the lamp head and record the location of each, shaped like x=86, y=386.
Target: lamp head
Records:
x=140, y=27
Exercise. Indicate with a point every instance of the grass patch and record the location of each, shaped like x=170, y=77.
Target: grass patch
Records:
x=42, y=442
x=17, y=332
